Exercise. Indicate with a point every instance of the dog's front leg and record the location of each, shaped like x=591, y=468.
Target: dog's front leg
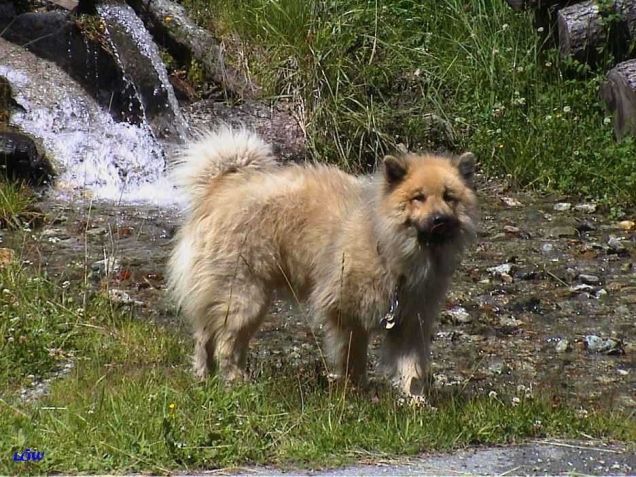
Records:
x=406, y=352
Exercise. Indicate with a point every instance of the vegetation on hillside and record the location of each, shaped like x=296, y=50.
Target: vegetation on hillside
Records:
x=450, y=74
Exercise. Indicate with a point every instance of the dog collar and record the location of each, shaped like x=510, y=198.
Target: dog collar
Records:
x=390, y=318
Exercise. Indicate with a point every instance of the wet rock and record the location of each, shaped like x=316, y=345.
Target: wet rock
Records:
x=7, y=256
x=586, y=208
x=139, y=61
x=511, y=202
x=83, y=57
x=589, y=279
x=627, y=267
x=509, y=322
x=600, y=293
x=96, y=232
x=563, y=346
x=627, y=225
x=531, y=305
x=120, y=297
x=456, y=315
x=585, y=226
x=563, y=231
x=562, y=206
x=527, y=275
x=498, y=367
x=274, y=122
x=616, y=245
x=582, y=288
x=500, y=269
x=547, y=248
x=596, y=344
x=22, y=159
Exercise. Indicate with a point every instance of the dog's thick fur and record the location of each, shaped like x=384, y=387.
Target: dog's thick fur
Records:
x=347, y=246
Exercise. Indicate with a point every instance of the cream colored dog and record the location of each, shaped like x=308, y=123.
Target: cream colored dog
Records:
x=367, y=254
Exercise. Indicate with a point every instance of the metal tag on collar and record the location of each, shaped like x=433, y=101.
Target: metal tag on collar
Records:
x=390, y=318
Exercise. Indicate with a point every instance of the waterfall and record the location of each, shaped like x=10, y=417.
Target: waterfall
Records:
x=92, y=153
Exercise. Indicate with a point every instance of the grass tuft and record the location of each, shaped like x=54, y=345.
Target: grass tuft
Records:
x=16, y=202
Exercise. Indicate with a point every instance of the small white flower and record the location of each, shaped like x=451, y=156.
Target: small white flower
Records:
x=505, y=26
x=607, y=120
x=567, y=109
x=540, y=29
x=548, y=64
x=492, y=394
x=515, y=401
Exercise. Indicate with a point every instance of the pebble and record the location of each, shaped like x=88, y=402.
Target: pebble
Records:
x=563, y=231
x=589, y=279
x=122, y=298
x=511, y=202
x=498, y=367
x=615, y=245
x=457, y=315
x=512, y=230
x=562, y=206
x=510, y=322
x=547, y=248
x=596, y=344
x=587, y=208
x=500, y=269
x=585, y=226
x=96, y=231
x=627, y=225
x=563, y=346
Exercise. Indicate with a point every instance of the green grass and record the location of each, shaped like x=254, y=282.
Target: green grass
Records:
x=130, y=403
x=367, y=75
x=16, y=202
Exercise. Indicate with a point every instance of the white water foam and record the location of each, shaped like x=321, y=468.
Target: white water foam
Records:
x=92, y=152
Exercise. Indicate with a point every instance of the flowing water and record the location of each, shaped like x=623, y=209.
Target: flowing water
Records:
x=93, y=154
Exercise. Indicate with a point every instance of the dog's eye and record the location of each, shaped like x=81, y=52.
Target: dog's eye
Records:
x=419, y=197
x=448, y=197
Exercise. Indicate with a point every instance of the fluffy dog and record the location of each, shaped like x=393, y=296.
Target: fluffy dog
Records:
x=366, y=254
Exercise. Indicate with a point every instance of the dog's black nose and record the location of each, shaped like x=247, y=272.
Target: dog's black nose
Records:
x=440, y=220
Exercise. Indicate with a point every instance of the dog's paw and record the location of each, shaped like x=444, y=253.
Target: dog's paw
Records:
x=417, y=401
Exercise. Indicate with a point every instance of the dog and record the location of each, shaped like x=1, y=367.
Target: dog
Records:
x=368, y=254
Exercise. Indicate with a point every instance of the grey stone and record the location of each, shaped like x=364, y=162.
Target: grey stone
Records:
x=562, y=206
x=589, y=279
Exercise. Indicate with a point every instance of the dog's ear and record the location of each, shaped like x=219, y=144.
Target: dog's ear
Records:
x=395, y=169
x=466, y=166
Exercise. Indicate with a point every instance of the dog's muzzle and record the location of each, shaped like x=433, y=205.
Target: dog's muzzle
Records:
x=438, y=229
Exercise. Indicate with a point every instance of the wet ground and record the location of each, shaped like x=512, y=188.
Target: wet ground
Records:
x=545, y=301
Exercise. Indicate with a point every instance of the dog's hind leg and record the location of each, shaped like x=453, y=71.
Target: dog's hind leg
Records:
x=203, y=353
x=347, y=348
x=236, y=322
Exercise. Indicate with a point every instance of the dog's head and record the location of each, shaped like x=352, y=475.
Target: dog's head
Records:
x=431, y=198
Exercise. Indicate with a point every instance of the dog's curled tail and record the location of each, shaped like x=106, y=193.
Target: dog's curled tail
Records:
x=218, y=152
